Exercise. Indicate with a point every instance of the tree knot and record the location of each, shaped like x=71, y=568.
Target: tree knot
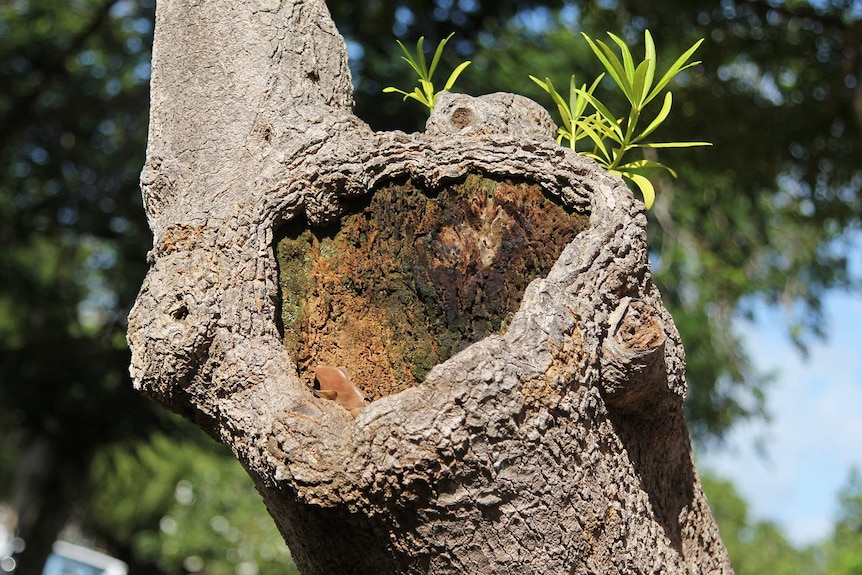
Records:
x=494, y=114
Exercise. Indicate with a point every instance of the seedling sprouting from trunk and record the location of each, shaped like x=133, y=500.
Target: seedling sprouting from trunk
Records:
x=612, y=136
x=424, y=93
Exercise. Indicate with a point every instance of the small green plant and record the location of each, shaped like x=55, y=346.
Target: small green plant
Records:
x=424, y=93
x=612, y=136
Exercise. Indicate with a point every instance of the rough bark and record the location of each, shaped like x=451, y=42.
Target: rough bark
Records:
x=553, y=444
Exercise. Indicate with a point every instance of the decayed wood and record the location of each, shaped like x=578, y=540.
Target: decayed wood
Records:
x=558, y=446
x=411, y=278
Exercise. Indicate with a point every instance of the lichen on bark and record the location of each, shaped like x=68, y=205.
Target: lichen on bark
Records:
x=412, y=277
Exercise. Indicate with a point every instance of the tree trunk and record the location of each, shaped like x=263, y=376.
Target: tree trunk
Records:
x=526, y=411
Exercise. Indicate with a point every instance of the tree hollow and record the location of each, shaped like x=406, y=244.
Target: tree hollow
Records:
x=411, y=277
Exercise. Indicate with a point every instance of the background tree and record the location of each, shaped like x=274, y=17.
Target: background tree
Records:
x=196, y=511
x=754, y=546
x=72, y=128
x=842, y=550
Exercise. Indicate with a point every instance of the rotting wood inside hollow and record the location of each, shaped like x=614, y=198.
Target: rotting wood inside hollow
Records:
x=410, y=278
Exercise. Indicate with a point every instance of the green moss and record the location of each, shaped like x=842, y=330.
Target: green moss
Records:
x=293, y=256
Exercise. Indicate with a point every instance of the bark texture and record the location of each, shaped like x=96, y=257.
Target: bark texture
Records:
x=547, y=437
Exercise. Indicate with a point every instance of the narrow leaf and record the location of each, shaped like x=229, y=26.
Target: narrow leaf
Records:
x=438, y=53
x=582, y=102
x=566, y=116
x=599, y=142
x=599, y=159
x=576, y=105
x=611, y=63
x=640, y=88
x=413, y=65
x=455, y=73
x=628, y=62
x=541, y=84
x=639, y=166
x=420, y=58
x=427, y=90
x=676, y=68
x=662, y=115
x=649, y=56
x=558, y=99
x=405, y=50
x=606, y=114
x=420, y=96
x=390, y=89
x=673, y=145
x=646, y=187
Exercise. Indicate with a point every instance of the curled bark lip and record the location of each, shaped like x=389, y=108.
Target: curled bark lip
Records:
x=529, y=440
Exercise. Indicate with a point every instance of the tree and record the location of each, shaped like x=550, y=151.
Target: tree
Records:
x=843, y=548
x=72, y=146
x=74, y=241
x=555, y=444
x=753, y=546
x=196, y=511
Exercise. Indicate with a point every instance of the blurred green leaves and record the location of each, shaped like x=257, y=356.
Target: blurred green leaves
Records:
x=753, y=546
x=844, y=549
x=760, y=217
x=195, y=509
x=757, y=546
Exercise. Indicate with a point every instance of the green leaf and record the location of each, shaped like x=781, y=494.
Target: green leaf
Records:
x=426, y=98
x=613, y=137
x=562, y=106
x=593, y=156
x=606, y=115
x=420, y=58
x=438, y=53
x=408, y=57
x=676, y=68
x=672, y=145
x=628, y=61
x=639, y=166
x=649, y=56
x=646, y=187
x=413, y=65
x=426, y=86
x=455, y=73
x=662, y=115
x=640, y=88
x=541, y=84
x=598, y=140
x=582, y=102
x=611, y=63
x=576, y=105
x=566, y=116
x=425, y=93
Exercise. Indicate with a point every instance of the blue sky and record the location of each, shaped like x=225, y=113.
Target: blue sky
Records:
x=815, y=436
